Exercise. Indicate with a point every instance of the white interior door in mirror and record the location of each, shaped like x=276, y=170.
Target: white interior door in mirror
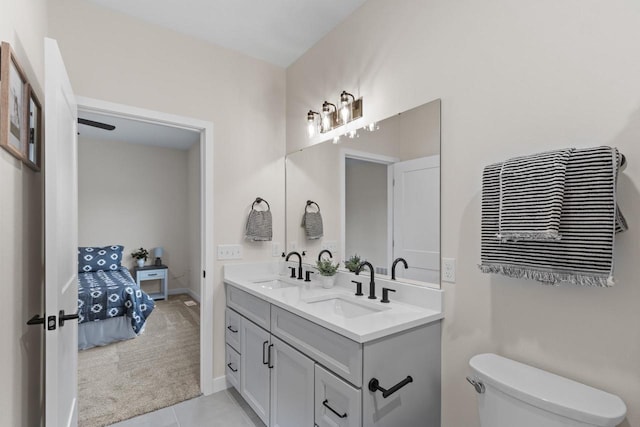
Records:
x=416, y=218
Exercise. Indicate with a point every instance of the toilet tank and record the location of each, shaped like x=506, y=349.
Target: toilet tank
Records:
x=515, y=394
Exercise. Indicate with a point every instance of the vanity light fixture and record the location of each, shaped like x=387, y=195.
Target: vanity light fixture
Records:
x=328, y=116
x=332, y=118
x=312, y=124
x=345, y=109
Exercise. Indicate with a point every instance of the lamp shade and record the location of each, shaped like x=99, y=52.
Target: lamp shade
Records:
x=157, y=252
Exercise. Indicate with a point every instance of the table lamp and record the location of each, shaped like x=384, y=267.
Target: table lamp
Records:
x=157, y=252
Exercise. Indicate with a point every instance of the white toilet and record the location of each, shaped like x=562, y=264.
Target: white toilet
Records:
x=512, y=394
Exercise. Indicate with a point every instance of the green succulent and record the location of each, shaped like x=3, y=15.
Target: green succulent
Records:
x=326, y=267
x=353, y=262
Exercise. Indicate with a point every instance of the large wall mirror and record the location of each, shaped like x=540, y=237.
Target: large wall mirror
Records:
x=378, y=194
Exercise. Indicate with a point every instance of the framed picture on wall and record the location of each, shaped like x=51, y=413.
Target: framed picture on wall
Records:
x=33, y=147
x=13, y=98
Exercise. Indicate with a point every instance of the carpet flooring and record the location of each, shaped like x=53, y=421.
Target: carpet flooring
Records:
x=157, y=369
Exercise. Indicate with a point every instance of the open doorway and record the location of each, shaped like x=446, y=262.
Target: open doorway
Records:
x=150, y=186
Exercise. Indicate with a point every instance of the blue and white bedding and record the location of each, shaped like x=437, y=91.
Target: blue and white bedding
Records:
x=105, y=294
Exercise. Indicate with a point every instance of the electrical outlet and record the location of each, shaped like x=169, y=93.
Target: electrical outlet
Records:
x=449, y=270
x=293, y=246
x=229, y=252
x=275, y=249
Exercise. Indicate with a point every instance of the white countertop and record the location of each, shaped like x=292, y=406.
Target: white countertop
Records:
x=393, y=317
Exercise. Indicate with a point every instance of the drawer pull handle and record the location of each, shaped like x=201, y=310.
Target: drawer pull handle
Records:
x=235, y=331
x=264, y=351
x=230, y=367
x=326, y=405
x=152, y=274
x=374, y=385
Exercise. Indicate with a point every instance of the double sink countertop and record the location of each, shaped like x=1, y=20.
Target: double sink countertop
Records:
x=338, y=309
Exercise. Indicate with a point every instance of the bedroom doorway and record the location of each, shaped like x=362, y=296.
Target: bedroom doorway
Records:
x=198, y=271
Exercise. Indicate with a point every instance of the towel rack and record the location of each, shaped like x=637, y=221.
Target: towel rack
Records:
x=260, y=200
x=311, y=202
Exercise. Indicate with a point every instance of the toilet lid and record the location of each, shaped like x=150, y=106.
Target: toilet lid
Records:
x=548, y=391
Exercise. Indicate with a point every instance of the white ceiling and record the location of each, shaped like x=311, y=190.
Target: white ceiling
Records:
x=276, y=31
x=137, y=132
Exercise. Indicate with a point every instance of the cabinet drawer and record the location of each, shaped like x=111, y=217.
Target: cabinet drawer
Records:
x=232, y=329
x=337, y=404
x=341, y=355
x=232, y=369
x=251, y=307
x=152, y=274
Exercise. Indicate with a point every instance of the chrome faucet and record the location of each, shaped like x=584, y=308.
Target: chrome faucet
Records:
x=393, y=267
x=372, y=282
x=299, y=263
x=325, y=251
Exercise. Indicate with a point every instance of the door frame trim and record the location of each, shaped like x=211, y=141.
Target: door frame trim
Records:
x=206, y=213
x=347, y=153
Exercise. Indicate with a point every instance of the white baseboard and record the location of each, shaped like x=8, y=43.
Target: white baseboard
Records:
x=220, y=384
x=184, y=291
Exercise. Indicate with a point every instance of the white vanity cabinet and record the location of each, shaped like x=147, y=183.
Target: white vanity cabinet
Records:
x=292, y=390
x=254, y=368
x=275, y=379
x=295, y=373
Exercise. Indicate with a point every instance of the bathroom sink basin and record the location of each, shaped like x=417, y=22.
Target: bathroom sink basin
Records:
x=274, y=284
x=343, y=307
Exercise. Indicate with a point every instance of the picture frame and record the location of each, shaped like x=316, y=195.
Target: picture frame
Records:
x=13, y=95
x=32, y=154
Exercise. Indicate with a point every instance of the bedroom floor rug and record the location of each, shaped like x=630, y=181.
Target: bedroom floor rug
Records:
x=157, y=369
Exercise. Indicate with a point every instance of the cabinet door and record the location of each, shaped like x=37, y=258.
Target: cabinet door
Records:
x=254, y=381
x=291, y=387
x=337, y=403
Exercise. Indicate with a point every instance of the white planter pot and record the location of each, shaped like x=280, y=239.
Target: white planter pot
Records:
x=140, y=262
x=328, y=281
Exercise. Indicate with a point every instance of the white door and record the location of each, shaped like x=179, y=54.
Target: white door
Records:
x=61, y=242
x=254, y=367
x=291, y=387
x=416, y=218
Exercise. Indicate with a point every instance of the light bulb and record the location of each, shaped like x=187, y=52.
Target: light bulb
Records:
x=336, y=139
x=352, y=134
x=326, y=122
x=345, y=113
x=311, y=129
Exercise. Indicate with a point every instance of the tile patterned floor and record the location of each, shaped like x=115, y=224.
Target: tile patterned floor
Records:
x=225, y=408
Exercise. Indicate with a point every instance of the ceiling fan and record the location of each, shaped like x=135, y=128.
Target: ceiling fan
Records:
x=95, y=124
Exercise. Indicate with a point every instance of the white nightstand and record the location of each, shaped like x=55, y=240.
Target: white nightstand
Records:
x=154, y=272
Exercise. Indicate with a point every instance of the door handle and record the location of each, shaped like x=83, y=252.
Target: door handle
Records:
x=36, y=320
x=269, y=356
x=64, y=317
x=264, y=351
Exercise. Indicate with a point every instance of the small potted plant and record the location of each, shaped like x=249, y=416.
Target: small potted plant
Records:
x=353, y=262
x=140, y=256
x=327, y=270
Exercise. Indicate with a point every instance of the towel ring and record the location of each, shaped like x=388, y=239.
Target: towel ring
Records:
x=260, y=200
x=311, y=202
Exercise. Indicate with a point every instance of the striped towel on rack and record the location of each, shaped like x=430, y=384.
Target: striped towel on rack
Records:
x=531, y=194
x=588, y=223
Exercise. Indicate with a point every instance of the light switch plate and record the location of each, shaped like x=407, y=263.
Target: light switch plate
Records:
x=275, y=249
x=229, y=252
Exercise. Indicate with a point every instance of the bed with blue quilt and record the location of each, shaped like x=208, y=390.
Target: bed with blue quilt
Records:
x=111, y=306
